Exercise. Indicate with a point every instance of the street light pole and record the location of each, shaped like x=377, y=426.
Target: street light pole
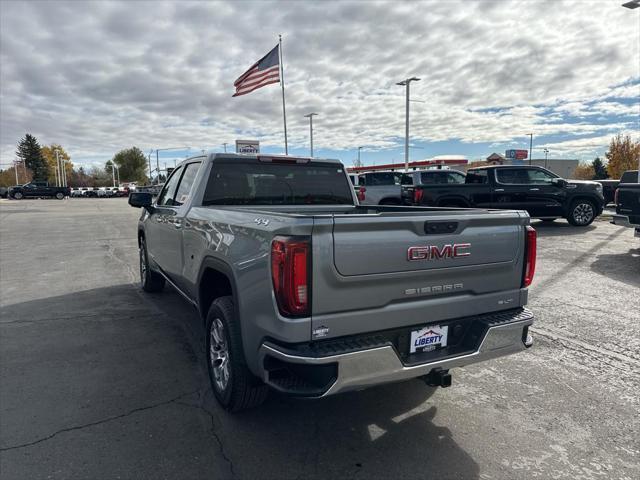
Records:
x=359, y=162
x=310, y=117
x=546, y=152
x=406, y=84
x=530, y=146
x=225, y=147
x=631, y=5
x=59, y=170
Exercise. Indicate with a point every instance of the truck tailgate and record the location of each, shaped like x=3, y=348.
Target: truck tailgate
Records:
x=376, y=272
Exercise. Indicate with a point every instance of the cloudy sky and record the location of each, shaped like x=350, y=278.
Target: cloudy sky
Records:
x=100, y=76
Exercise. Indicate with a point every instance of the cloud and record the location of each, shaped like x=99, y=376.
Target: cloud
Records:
x=107, y=75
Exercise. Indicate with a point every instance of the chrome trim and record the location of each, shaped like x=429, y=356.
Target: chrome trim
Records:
x=177, y=288
x=365, y=368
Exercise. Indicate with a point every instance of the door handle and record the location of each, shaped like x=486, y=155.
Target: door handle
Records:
x=499, y=190
x=534, y=189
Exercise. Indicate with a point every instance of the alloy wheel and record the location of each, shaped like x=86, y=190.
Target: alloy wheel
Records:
x=219, y=354
x=583, y=213
x=143, y=265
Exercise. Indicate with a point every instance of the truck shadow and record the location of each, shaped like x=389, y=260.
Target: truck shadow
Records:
x=559, y=228
x=623, y=267
x=93, y=357
x=383, y=432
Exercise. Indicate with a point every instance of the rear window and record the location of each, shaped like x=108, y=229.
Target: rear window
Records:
x=242, y=183
x=630, y=176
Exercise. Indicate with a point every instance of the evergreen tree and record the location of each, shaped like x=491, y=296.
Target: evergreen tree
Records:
x=600, y=170
x=29, y=152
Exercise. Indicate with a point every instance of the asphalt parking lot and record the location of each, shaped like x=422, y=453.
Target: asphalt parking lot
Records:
x=99, y=380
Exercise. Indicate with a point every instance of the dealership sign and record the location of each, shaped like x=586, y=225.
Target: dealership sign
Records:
x=516, y=154
x=247, y=146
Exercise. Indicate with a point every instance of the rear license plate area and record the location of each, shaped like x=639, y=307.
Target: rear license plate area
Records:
x=428, y=339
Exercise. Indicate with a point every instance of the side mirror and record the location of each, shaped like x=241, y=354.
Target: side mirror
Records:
x=559, y=182
x=141, y=200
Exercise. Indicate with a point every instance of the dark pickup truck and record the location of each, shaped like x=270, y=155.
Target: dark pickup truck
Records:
x=538, y=191
x=628, y=202
x=38, y=190
x=610, y=186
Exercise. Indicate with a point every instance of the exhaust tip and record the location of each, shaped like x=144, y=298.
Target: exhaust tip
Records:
x=527, y=338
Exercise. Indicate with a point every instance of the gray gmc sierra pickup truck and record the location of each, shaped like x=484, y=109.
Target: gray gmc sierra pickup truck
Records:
x=303, y=290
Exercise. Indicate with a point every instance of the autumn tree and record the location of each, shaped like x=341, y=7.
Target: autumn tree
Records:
x=30, y=153
x=583, y=172
x=599, y=169
x=49, y=154
x=132, y=165
x=623, y=155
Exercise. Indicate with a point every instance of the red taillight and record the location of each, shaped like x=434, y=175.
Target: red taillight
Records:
x=530, y=247
x=290, y=275
x=615, y=196
x=361, y=195
x=417, y=196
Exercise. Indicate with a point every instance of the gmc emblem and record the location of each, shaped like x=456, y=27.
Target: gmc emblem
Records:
x=431, y=252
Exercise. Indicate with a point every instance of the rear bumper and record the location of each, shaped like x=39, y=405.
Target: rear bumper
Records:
x=623, y=221
x=362, y=363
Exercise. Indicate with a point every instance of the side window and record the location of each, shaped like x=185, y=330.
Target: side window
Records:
x=406, y=180
x=168, y=192
x=454, y=177
x=382, y=178
x=512, y=176
x=477, y=176
x=540, y=177
x=189, y=175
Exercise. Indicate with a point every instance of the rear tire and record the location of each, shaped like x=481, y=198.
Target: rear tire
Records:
x=60, y=196
x=150, y=281
x=581, y=213
x=18, y=195
x=233, y=385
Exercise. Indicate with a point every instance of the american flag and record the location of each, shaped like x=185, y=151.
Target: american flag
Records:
x=264, y=72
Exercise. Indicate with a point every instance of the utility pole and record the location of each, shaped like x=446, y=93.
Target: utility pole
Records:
x=406, y=83
x=359, y=162
x=530, y=146
x=113, y=173
x=15, y=168
x=310, y=117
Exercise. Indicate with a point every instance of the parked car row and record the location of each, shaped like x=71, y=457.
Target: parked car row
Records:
x=44, y=190
x=540, y=192
x=102, y=192
x=385, y=188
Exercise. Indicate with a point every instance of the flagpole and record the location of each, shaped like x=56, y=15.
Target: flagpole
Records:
x=284, y=110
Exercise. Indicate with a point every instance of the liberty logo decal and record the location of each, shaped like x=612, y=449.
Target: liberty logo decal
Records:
x=428, y=338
